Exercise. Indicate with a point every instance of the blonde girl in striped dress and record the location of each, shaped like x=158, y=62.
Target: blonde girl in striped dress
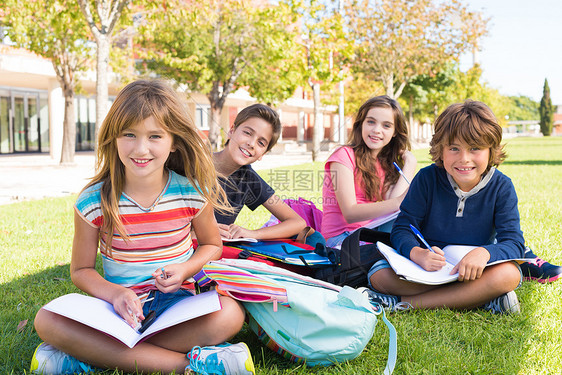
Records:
x=155, y=182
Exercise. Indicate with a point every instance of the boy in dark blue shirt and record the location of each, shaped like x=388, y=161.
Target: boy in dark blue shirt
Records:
x=461, y=199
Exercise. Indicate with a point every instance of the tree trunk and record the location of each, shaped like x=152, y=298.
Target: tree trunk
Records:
x=318, y=129
x=69, y=128
x=388, y=82
x=103, y=44
x=411, y=117
x=215, y=138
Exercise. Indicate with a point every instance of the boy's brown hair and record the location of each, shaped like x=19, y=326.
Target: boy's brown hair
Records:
x=471, y=122
x=265, y=113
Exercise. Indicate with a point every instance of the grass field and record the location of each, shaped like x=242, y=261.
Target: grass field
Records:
x=36, y=238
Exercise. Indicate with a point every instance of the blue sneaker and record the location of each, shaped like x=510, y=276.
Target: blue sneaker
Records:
x=505, y=304
x=539, y=270
x=387, y=301
x=48, y=360
x=224, y=359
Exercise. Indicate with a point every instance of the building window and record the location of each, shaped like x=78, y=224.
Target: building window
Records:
x=202, y=116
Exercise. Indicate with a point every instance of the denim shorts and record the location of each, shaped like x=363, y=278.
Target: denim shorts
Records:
x=379, y=265
x=162, y=301
x=336, y=241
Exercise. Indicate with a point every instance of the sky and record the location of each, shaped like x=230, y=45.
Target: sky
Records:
x=522, y=48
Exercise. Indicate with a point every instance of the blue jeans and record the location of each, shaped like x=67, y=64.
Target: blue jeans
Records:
x=336, y=241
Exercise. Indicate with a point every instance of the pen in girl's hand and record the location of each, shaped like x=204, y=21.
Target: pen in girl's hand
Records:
x=401, y=173
x=418, y=233
x=163, y=275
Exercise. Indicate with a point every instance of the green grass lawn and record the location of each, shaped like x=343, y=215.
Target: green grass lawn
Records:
x=36, y=239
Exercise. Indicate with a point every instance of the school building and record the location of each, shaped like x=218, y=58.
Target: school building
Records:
x=32, y=110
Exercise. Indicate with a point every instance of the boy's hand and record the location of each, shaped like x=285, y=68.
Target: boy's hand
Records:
x=129, y=307
x=427, y=259
x=472, y=265
x=237, y=231
x=168, y=279
x=224, y=231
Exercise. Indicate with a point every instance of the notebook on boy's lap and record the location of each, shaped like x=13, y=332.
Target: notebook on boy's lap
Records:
x=411, y=271
x=100, y=315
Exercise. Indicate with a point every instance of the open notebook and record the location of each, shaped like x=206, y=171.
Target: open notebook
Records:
x=99, y=314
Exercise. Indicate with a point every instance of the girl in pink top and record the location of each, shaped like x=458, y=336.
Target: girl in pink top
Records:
x=361, y=182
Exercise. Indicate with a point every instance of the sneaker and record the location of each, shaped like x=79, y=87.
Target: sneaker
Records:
x=539, y=270
x=225, y=359
x=387, y=301
x=48, y=360
x=505, y=304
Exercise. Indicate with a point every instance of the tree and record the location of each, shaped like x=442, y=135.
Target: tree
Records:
x=54, y=30
x=218, y=45
x=546, y=111
x=397, y=40
x=429, y=95
x=523, y=108
x=325, y=49
x=101, y=20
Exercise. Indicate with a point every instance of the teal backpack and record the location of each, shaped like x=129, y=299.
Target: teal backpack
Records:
x=314, y=322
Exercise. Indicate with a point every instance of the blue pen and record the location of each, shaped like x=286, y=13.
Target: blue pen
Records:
x=401, y=173
x=418, y=233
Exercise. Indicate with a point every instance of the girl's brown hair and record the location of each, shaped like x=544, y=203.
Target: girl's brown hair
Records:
x=390, y=153
x=471, y=122
x=191, y=158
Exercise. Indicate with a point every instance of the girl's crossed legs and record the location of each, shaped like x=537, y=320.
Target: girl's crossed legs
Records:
x=165, y=351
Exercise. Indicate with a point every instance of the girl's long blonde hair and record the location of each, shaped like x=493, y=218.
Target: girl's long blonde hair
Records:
x=191, y=158
x=390, y=153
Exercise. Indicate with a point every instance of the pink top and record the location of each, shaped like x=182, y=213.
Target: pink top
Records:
x=333, y=222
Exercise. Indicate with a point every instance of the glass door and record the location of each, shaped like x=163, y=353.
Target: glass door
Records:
x=5, y=139
x=19, y=123
x=33, y=131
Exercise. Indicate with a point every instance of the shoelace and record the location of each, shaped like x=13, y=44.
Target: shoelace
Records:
x=402, y=306
x=539, y=262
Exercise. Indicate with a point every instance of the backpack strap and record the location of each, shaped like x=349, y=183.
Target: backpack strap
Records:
x=392, y=346
x=303, y=234
x=350, y=249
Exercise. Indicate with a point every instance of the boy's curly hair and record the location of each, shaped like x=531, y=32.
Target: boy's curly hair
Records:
x=473, y=123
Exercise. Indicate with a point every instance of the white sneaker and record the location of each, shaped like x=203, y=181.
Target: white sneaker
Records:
x=224, y=359
x=48, y=360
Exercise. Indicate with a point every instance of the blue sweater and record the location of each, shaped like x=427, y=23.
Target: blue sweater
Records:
x=486, y=216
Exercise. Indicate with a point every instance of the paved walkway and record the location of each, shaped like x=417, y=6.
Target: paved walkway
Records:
x=37, y=176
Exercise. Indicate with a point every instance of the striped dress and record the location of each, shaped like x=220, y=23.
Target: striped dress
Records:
x=158, y=235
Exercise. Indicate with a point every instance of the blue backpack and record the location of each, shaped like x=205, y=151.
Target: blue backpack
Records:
x=315, y=322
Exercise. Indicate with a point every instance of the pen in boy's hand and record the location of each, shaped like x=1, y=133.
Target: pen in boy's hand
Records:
x=401, y=173
x=419, y=235
x=163, y=274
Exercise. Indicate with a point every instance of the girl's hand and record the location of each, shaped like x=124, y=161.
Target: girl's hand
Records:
x=472, y=265
x=240, y=232
x=408, y=157
x=169, y=279
x=129, y=307
x=427, y=259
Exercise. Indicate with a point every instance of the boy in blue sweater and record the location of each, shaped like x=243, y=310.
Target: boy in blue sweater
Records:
x=461, y=199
